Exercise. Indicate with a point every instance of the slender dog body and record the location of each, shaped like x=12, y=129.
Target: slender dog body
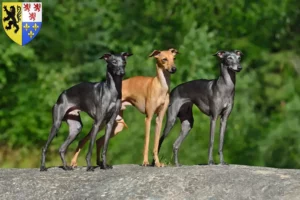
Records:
x=101, y=101
x=213, y=97
x=150, y=95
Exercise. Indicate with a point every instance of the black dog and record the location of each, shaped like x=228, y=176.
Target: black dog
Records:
x=101, y=101
x=212, y=97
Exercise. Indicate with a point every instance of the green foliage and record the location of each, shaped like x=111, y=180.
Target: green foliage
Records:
x=263, y=127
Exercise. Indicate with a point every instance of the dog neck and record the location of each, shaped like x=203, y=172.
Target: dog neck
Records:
x=163, y=77
x=227, y=77
x=114, y=82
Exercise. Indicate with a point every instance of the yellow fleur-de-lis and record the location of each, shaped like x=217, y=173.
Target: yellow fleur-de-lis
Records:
x=26, y=27
x=31, y=34
x=35, y=26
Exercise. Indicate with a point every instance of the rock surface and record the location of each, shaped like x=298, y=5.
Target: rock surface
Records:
x=136, y=182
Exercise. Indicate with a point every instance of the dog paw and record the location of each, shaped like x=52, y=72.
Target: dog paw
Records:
x=223, y=163
x=67, y=168
x=43, y=169
x=146, y=164
x=211, y=162
x=90, y=169
x=99, y=163
x=73, y=164
x=106, y=167
x=178, y=165
x=159, y=164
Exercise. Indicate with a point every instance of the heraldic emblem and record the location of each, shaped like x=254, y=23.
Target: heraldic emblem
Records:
x=22, y=21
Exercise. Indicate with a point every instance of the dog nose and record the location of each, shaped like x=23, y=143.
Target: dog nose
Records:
x=239, y=68
x=120, y=72
x=173, y=69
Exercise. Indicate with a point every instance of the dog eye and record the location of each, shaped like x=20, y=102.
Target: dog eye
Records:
x=114, y=62
x=165, y=60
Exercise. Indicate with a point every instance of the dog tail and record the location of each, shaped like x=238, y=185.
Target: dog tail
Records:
x=122, y=122
x=125, y=124
x=19, y=13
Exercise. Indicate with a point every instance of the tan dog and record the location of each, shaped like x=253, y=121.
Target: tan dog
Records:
x=150, y=95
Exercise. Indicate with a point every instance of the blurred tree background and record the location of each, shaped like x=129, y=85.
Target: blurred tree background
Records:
x=263, y=128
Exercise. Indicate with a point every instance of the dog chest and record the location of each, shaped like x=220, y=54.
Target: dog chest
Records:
x=112, y=108
x=160, y=103
x=225, y=104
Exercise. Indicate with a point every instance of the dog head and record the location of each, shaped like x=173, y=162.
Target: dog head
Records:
x=231, y=59
x=116, y=62
x=165, y=59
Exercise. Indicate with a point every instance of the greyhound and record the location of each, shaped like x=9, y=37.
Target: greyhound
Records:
x=150, y=95
x=213, y=97
x=101, y=101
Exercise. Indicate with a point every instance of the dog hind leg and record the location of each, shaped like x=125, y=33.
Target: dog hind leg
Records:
x=172, y=113
x=186, y=117
x=57, y=114
x=171, y=119
x=75, y=126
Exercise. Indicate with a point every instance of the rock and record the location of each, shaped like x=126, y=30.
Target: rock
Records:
x=232, y=182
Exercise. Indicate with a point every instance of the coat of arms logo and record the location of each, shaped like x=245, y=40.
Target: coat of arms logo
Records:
x=22, y=21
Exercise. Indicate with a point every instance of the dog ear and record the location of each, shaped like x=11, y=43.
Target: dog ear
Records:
x=105, y=56
x=238, y=52
x=174, y=51
x=154, y=53
x=220, y=54
x=126, y=55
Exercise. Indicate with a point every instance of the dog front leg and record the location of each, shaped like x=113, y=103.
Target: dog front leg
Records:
x=118, y=127
x=94, y=131
x=108, y=133
x=222, y=134
x=159, y=120
x=213, y=120
x=108, y=130
x=147, y=135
